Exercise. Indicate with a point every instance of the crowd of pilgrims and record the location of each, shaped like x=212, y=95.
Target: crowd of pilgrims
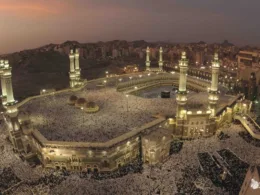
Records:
x=177, y=175
x=57, y=120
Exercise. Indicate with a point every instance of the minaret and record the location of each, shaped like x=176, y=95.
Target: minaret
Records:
x=213, y=92
x=147, y=63
x=160, y=62
x=14, y=128
x=77, y=69
x=7, y=79
x=2, y=81
x=72, y=69
x=182, y=92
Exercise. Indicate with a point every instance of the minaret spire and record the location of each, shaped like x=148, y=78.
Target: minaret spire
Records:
x=182, y=93
x=147, y=63
x=160, y=62
x=3, y=85
x=7, y=79
x=213, y=93
x=72, y=69
x=77, y=69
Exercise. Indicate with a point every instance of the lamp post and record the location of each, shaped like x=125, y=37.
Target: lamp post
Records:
x=82, y=117
x=105, y=83
x=127, y=101
x=127, y=110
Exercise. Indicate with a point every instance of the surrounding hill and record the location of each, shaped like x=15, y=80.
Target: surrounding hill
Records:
x=48, y=66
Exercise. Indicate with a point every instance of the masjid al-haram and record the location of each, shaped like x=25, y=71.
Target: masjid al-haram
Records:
x=128, y=128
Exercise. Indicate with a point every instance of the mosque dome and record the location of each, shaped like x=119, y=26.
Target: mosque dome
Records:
x=72, y=99
x=80, y=102
x=91, y=107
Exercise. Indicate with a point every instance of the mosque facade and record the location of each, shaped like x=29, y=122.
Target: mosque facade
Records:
x=151, y=143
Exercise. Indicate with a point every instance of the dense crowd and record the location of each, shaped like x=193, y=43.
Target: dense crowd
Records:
x=135, y=166
x=7, y=178
x=57, y=120
x=252, y=125
x=178, y=175
x=249, y=139
x=118, y=114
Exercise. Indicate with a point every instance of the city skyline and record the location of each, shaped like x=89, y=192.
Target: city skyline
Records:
x=30, y=24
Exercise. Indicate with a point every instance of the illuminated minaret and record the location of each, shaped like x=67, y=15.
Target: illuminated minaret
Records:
x=147, y=63
x=160, y=62
x=77, y=69
x=182, y=92
x=72, y=69
x=2, y=81
x=213, y=92
x=7, y=80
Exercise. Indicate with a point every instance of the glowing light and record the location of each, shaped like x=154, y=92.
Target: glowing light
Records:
x=254, y=184
x=199, y=112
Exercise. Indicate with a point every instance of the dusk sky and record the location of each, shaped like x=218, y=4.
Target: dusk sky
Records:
x=33, y=23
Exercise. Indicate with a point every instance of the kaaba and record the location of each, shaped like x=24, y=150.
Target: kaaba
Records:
x=165, y=94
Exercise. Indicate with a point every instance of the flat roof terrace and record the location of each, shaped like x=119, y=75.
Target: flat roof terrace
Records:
x=56, y=120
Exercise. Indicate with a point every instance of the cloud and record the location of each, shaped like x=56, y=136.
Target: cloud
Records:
x=29, y=8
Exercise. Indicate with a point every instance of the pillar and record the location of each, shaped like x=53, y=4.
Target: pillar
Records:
x=160, y=62
x=181, y=97
x=147, y=63
x=213, y=92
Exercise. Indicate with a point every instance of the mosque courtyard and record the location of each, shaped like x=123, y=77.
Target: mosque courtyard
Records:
x=119, y=113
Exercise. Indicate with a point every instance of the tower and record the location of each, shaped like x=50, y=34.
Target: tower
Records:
x=147, y=63
x=7, y=83
x=160, y=62
x=213, y=92
x=77, y=69
x=72, y=69
x=182, y=92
